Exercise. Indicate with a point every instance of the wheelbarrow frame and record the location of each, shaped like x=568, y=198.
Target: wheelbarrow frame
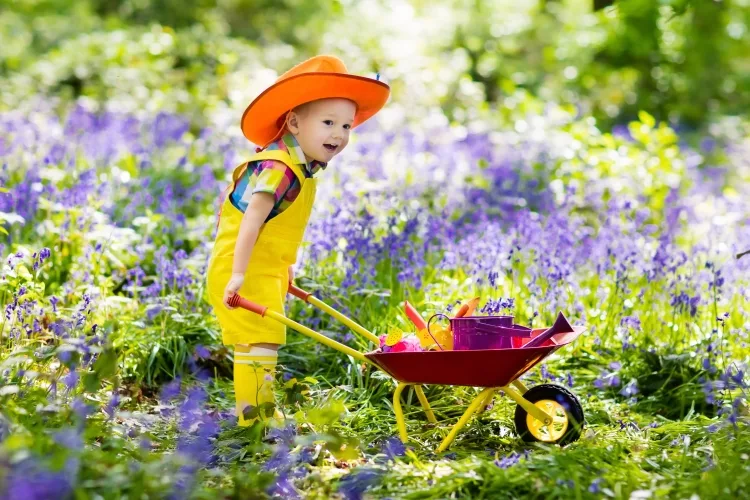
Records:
x=515, y=389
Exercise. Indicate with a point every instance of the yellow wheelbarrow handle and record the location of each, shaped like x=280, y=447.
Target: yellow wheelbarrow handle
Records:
x=311, y=299
x=237, y=301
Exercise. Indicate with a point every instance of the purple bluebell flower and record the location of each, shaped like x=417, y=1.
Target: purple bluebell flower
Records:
x=30, y=480
x=144, y=444
x=170, y=390
x=70, y=380
x=358, y=481
x=284, y=435
x=69, y=438
x=283, y=487
x=81, y=408
x=281, y=460
x=393, y=447
x=510, y=460
x=112, y=404
x=631, y=389
x=201, y=352
x=595, y=486
x=53, y=300
x=632, y=322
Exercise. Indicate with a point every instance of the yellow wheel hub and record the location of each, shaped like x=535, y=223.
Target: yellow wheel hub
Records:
x=556, y=430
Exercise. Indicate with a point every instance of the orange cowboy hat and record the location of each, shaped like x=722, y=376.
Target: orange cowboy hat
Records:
x=320, y=77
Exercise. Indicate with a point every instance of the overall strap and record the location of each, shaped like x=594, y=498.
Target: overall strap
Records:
x=274, y=154
x=278, y=155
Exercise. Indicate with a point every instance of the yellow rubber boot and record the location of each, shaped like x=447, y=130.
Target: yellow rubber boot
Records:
x=254, y=374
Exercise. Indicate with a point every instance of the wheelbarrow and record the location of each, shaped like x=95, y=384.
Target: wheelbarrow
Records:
x=548, y=412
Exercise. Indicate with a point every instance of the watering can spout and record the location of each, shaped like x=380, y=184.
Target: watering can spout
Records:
x=561, y=325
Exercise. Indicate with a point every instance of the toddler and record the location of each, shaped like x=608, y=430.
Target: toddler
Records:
x=302, y=121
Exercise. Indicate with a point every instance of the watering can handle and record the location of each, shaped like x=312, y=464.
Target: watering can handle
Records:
x=513, y=331
x=429, y=322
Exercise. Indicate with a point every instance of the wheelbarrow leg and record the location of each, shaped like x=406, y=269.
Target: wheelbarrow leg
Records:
x=519, y=385
x=399, y=412
x=465, y=418
x=527, y=405
x=425, y=404
x=485, y=403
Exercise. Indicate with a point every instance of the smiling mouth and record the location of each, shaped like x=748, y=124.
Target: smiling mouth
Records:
x=330, y=147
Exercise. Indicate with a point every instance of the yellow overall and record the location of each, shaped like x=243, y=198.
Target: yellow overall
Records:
x=267, y=275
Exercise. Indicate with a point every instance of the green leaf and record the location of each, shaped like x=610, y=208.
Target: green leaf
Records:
x=326, y=415
x=344, y=448
x=90, y=382
x=602, y=4
x=18, y=442
x=266, y=409
x=152, y=357
x=106, y=364
x=104, y=367
x=646, y=119
x=250, y=412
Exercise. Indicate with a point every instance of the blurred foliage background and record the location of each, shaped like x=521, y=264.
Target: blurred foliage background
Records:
x=685, y=61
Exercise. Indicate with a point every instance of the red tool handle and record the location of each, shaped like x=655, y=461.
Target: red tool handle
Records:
x=414, y=316
x=299, y=293
x=237, y=301
x=462, y=312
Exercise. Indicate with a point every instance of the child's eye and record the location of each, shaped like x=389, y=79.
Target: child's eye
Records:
x=347, y=126
x=328, y=122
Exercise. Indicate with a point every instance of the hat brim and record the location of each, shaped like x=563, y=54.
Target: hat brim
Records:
x=260, y=121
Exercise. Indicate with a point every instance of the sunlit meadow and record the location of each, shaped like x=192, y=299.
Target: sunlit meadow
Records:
x=113, y=379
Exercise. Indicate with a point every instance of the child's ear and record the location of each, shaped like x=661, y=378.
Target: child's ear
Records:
x=292, y=122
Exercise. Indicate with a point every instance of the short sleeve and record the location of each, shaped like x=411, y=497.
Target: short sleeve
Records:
x=273, y=177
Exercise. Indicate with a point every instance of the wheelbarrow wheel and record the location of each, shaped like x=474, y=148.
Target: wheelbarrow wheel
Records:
x=566, y=411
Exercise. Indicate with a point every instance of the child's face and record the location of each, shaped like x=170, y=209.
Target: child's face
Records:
x=322, y=127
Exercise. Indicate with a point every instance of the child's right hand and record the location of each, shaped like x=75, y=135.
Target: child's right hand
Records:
x=234, y=285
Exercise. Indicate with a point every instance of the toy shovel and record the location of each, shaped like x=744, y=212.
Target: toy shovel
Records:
x=468, y=308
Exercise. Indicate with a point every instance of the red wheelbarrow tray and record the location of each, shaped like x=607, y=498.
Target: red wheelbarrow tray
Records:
x=475, y=368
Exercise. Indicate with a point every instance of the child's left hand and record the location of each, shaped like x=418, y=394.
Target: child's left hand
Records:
x=291, y=275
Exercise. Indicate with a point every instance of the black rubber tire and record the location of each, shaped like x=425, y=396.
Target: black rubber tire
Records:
x=566, y=399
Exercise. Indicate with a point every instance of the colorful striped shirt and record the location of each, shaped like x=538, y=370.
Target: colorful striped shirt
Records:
x=273, y=177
